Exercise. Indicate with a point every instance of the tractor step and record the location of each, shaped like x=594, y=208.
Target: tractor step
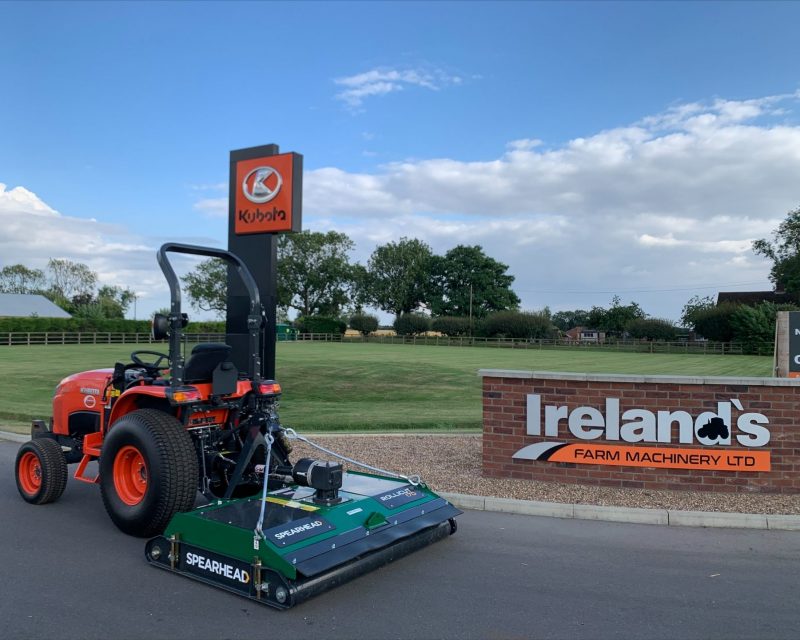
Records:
x=92, y=443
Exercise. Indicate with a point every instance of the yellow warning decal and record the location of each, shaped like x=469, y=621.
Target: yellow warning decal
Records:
x=292, y=503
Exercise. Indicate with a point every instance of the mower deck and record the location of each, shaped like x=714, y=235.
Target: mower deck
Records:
x=307, y=547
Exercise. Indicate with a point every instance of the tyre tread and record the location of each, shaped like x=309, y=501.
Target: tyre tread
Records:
x=54, y=469
x=177, y=459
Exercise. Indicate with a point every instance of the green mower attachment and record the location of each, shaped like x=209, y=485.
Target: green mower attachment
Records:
x=311, y=540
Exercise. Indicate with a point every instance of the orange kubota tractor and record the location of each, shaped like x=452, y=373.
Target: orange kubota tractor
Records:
x=162, y=428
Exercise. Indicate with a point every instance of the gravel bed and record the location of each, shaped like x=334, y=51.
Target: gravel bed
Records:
x=452, y=463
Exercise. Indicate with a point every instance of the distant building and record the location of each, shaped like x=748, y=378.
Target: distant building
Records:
x=582, y=334
x=753, y=298
x=23, y=305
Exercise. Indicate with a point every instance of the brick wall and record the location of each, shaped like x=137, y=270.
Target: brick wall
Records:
x=505, y=428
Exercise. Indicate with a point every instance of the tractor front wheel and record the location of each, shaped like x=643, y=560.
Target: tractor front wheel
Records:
x=148, y=471
x=41, y=471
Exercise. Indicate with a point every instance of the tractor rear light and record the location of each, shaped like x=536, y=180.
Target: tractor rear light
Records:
x=267, y=388
x=184, y=395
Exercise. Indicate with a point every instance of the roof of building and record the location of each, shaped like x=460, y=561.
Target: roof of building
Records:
x=575, y=331
x=755, y=297
x=24, y=305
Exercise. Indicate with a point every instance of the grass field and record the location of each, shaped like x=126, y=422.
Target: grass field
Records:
x=330, y=386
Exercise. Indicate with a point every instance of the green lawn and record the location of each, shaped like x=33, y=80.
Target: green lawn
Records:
x=361, y=386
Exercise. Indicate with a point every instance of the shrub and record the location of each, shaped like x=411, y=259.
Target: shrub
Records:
x=364, y=323
x=91, y=323
x=412, y=324
x=517, y=324
x=754, y=327
x=714, y=323
x=320, y=324
x=451, y=325
x=651, y=329
x=86, y=324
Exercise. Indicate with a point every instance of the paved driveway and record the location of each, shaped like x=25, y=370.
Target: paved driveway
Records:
x=67, y=572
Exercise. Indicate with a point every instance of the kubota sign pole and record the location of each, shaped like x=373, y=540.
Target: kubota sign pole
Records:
x=265, y=198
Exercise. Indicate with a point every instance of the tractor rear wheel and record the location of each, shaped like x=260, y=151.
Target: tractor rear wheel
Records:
x=41, y=471
x=148, y=471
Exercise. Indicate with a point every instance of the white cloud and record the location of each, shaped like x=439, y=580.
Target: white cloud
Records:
x=213, y=207
x=655, y=211
x=33, y=232
x=671, y=201
x=381, y=81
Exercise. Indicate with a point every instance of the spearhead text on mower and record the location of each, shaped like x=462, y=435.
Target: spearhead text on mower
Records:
x=164, y=428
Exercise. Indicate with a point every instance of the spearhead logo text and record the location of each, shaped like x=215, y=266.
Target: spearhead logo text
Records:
x=217, y=567
x=286, y=533
x=641, y=425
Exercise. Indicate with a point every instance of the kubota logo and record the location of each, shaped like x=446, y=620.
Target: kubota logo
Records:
x=262, y=184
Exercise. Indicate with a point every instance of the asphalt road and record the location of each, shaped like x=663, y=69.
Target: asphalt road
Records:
x=67, y=572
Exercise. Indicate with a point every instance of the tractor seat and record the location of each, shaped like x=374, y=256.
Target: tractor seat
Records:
x=203, y=360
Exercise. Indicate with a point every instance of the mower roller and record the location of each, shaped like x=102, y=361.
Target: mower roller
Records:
x=165, y=428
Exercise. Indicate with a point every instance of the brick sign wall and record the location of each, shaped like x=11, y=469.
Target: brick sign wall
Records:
x=658, y=432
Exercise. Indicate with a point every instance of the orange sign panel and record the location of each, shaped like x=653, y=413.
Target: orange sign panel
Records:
x=264, y=194
x=663, y=457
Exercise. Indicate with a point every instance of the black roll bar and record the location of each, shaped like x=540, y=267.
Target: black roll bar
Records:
x=176, y=319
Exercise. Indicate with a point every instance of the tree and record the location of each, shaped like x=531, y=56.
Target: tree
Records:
x=466, y=279
x=693, y=306
x=17, y=278
x=784, y=251
x=399, y=275
x=651, y=329
x=614, y=319
x=364, y=323
x=716, y=323
x=114, y=301
x=314, y=272
x=359, y=288
x=207, y=286
x=67, y=280
x=566, y=320
x=411, y=324
x=518, y=324
x=451, y=325
x=314, y=275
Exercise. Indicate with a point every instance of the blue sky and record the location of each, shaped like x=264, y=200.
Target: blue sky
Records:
x=596, y=148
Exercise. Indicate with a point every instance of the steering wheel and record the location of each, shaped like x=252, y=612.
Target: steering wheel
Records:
x=153, y=367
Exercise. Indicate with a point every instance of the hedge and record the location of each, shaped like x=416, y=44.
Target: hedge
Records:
x=412, y=324
x=451, y=325
x=320, y=324
x=517, y=324
x=90, y=325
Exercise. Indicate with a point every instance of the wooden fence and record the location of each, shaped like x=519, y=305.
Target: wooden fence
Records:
x=636, y=346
